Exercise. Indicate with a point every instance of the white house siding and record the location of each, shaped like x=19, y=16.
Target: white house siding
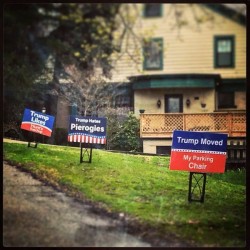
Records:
x=147, y=99
x=240, y=100
x=189, y=49
x=149, y=146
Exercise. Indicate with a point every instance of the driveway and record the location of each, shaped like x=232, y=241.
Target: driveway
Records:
x=36, y=215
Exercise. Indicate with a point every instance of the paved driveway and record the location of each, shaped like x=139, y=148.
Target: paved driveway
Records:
x=35, y=214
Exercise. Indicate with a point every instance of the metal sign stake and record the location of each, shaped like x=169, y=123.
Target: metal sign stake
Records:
x=30, y=145
x=86, y=150
x=197, y=186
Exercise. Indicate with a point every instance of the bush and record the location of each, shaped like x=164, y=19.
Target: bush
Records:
x=12, y=130
x=128, y=136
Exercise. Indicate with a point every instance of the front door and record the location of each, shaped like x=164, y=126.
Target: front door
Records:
x=173, y=104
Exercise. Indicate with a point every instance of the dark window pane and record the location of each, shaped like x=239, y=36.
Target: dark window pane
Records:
x=163, y=150
x=224, y=59
x=152, y=10
x=153, y=54
x=174, y=104
x=226, y=100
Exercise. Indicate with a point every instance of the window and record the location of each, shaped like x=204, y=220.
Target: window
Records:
x=224, y=52
x=173, y=103
x=152, y=10
x=226, y=100
x=163, y=150
x=153, y=54
x=122, y=101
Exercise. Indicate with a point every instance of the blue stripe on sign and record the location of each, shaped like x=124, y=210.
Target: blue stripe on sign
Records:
x=204, y=141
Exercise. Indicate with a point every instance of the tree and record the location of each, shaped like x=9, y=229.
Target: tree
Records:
x=84, y=34
x=21, y=64
x=91, y=93
x=80, y=37
x=86, y=58
x=78, y=34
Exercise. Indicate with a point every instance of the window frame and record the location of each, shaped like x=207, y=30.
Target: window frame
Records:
x=152, y=16
x=231, y=38
x=145, y=67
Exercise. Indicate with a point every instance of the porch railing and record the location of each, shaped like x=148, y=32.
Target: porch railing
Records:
x=163, y=125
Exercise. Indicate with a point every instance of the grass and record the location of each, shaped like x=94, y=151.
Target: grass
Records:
x=144, y=187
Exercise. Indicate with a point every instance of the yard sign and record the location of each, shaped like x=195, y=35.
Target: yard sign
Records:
x=87, y=130
x=37, y=122
x=203, y=152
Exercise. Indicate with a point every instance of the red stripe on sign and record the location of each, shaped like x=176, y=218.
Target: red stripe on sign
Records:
x=36, y=128
x=46, y=132
x=197, y=162
x=25, y=126
x=86, y=139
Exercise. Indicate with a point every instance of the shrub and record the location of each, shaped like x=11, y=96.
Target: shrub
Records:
x=128, y=136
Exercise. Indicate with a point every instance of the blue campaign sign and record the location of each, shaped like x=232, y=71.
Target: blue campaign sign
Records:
x=87, y=129
x=199, y=141
x=37, y=122
x=198, y=151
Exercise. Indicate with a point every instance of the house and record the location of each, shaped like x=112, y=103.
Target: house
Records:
x=178, y=66
x=186, y=67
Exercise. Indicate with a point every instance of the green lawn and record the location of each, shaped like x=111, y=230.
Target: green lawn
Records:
x=144, y=188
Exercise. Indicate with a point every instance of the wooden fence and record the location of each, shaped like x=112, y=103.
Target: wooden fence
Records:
x=163, y=125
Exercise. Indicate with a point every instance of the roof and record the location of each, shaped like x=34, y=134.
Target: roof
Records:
x=175, y=81
x=236, y=12
x=239, y=8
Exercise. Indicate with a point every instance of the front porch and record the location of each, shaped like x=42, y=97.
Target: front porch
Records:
x=163, y=125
